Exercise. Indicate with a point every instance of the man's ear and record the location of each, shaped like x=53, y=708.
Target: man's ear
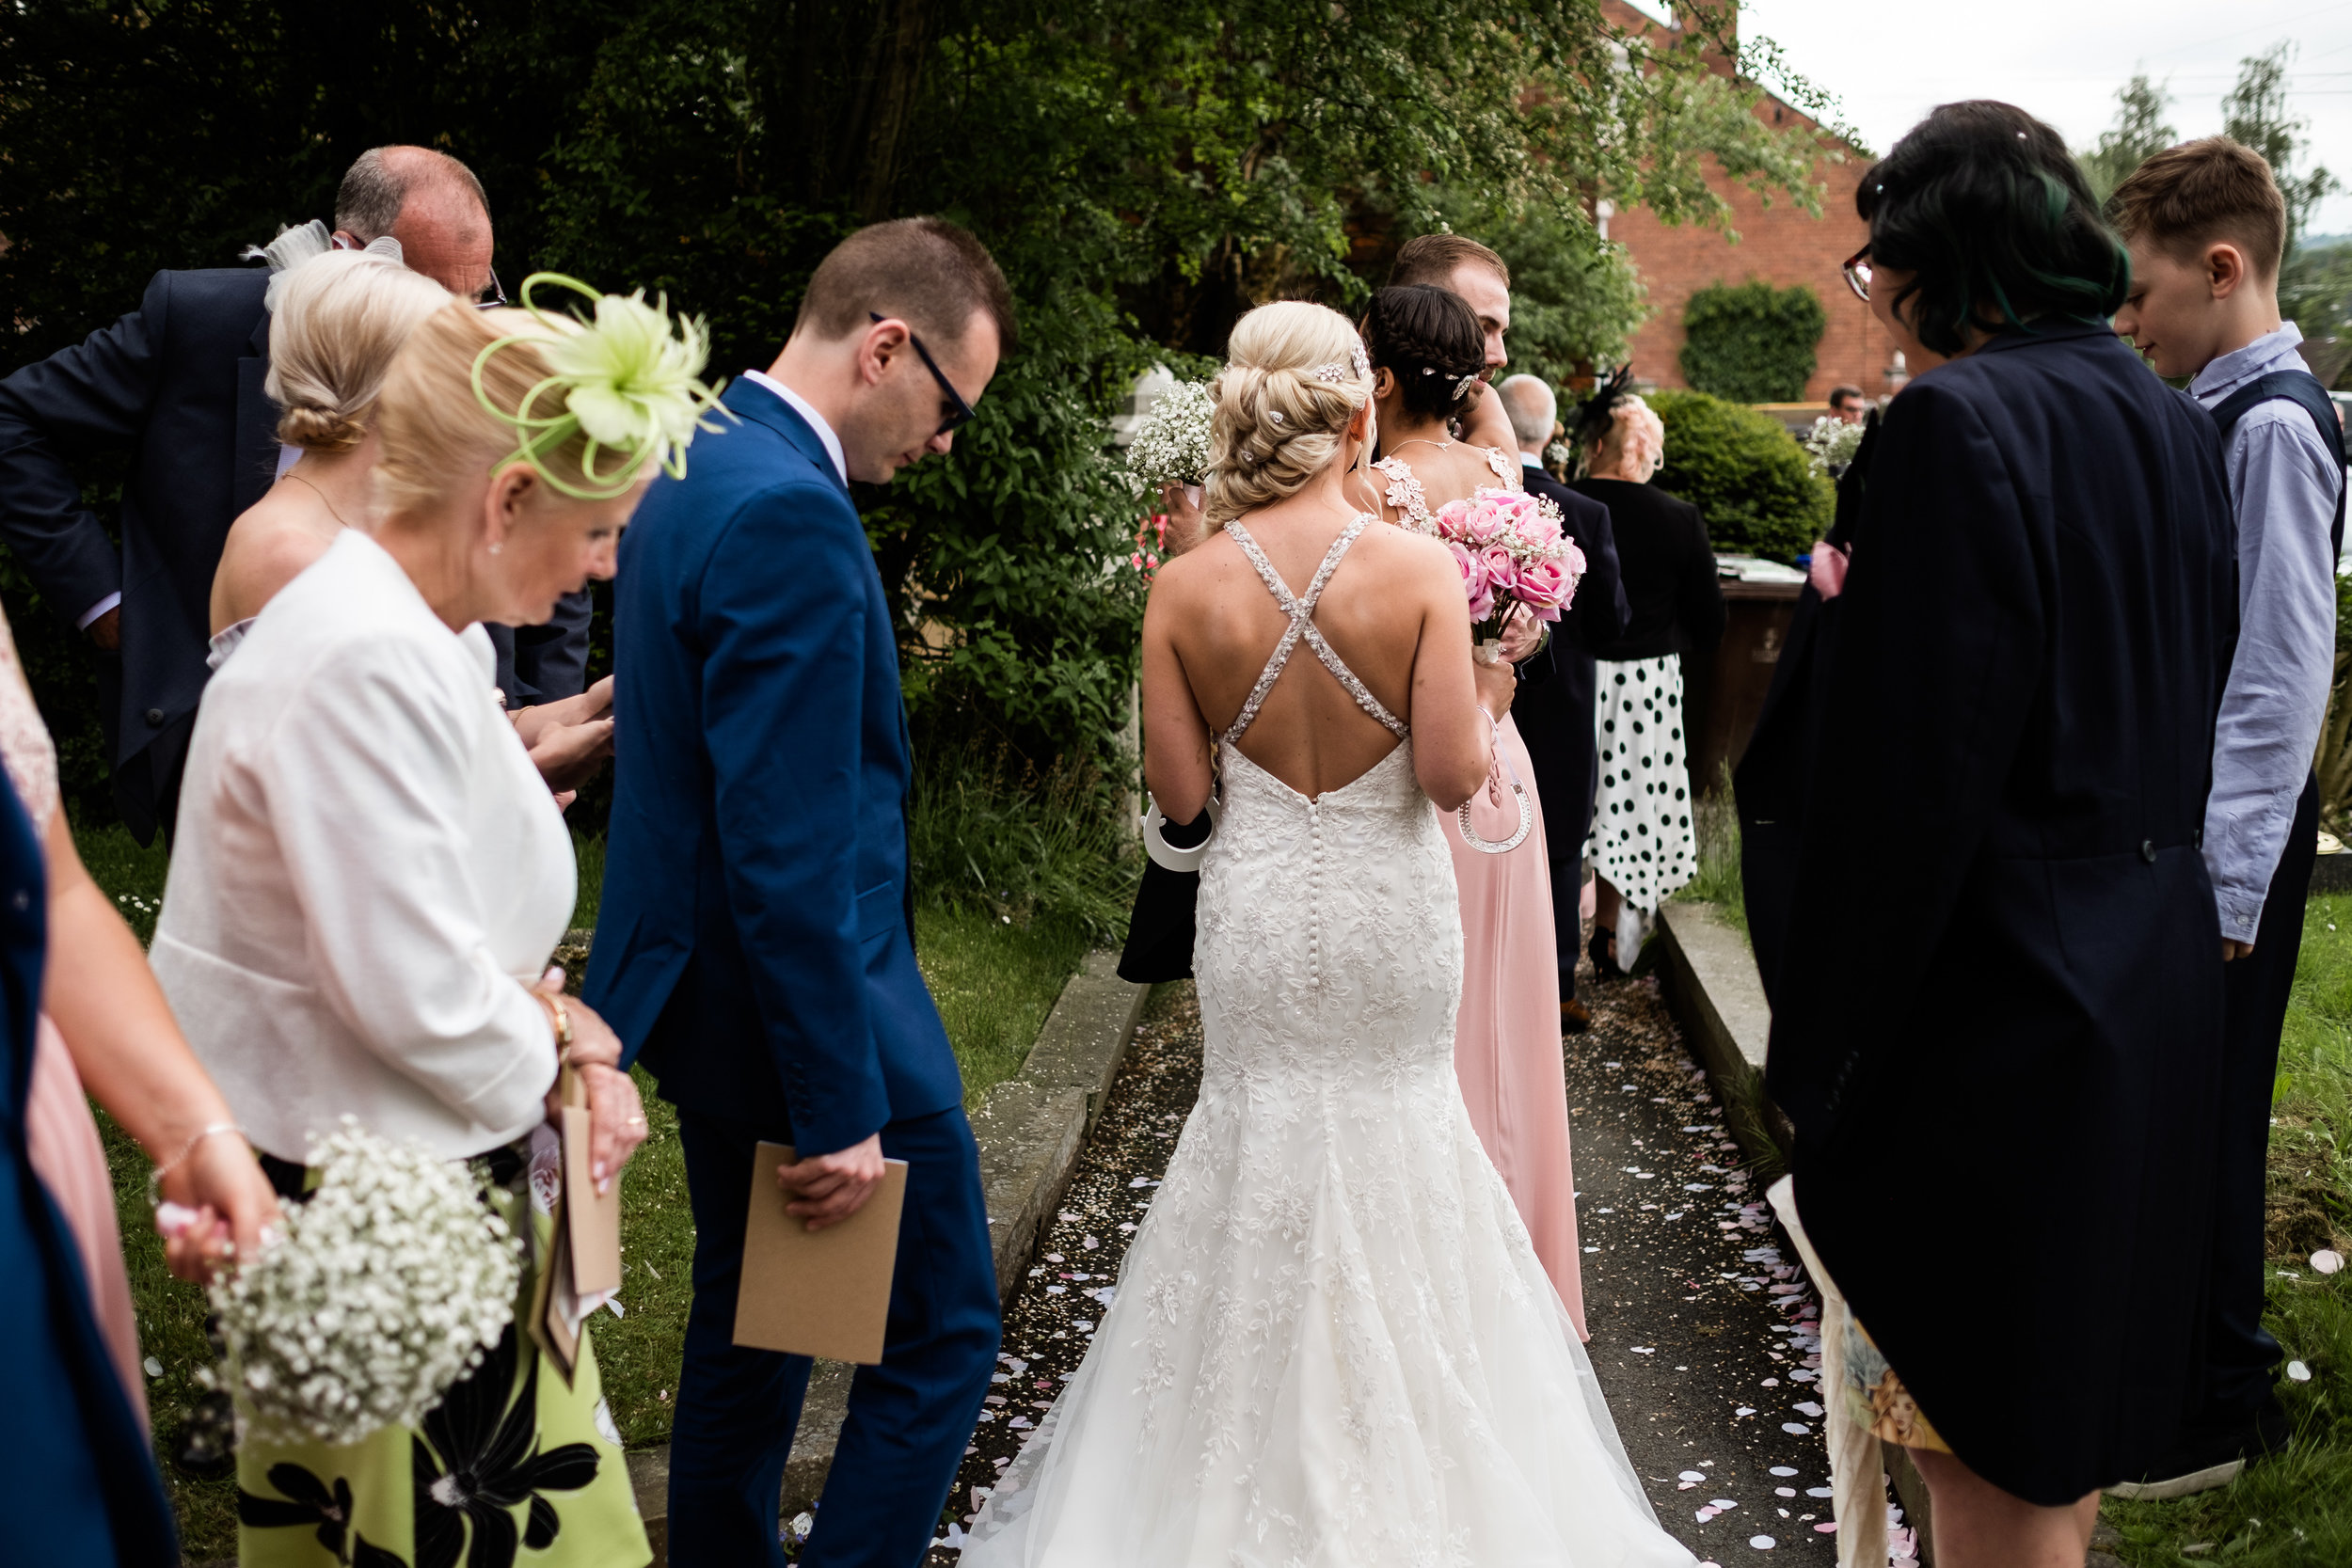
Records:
x=882, y=342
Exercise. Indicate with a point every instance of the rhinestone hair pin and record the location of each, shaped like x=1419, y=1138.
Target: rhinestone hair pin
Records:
x=1357, y=360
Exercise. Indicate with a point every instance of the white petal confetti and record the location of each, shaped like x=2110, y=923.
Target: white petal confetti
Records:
x=2326, y=1260
x=2298, y=1373
x=1796, y=1429
x=1807, y=1409
x=1745, y=1410
x=1782, y=1470
x=1762, y=1542
x=154, y=1368
x=1695, y=1476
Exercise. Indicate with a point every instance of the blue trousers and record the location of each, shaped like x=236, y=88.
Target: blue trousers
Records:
x=910, y=1417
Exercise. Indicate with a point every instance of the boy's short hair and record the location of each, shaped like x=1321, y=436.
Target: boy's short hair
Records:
x=2212, y=189
x=1433, y=258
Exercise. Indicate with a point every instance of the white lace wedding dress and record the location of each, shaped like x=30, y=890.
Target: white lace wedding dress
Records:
x=1331, y=1345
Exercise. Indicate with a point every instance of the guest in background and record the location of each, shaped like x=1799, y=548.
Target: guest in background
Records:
x=2012, y=1007
x=371, y=877
x=87, y=1490
x=1848, y=403
x=336, y=320
x=1555, y=709
x=178, y=385
x=2208, y=226
x=1643, y=847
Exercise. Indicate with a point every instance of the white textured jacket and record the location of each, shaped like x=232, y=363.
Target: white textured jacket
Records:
x=368, y=874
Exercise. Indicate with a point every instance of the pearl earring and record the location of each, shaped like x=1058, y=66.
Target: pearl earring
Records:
x=495, y=548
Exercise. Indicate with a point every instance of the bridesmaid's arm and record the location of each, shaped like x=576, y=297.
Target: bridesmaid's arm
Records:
x=134, y=1062
x=1176, y=763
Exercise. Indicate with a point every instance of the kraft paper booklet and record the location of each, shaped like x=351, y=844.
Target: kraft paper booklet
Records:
x=826, y=1294
x=593, y=1223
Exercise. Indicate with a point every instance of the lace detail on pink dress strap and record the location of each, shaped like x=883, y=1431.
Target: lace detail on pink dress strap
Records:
x=1505, y=469
x=1302, y=628
x=1406, y=493
x=30, y=755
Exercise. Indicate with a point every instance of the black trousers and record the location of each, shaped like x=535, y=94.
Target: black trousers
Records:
x=1555, y=720
x=2240, y=1354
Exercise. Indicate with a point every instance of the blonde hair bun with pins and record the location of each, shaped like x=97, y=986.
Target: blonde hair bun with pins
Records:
x=1295, y=376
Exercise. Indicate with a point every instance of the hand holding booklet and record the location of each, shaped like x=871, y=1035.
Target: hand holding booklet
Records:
x=824, y=1295
x=583, y=1266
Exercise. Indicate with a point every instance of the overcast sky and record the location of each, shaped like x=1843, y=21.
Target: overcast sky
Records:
x=2063, y=60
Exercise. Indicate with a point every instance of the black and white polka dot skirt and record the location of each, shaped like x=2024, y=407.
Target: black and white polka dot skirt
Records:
x=1642, y=839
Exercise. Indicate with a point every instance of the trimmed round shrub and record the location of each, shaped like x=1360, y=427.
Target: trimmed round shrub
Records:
x=1752, y=343
x=1747, y=476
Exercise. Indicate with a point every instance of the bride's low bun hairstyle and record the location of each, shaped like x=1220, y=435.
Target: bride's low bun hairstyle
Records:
x=1295, y=376
x=336, y=324
x=1429, y=339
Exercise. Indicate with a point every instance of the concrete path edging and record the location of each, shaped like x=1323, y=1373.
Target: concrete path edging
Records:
x=1031, y=1128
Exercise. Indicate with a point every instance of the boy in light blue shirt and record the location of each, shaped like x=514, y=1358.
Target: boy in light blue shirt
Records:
x=2207, y=227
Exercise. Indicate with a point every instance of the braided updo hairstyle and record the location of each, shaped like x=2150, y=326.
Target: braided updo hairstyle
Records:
x=336, y=320
x=1295, y=376
x=1427, y=337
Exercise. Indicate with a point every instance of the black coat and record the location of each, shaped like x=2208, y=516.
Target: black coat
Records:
x=1997, y=1026
x=1675, y=600
x=1554, y=703
x=178, y=383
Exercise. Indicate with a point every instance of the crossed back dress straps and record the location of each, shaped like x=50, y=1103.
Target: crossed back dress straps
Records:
x=1301, y=611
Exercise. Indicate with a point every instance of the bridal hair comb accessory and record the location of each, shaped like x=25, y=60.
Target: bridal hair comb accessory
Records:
x=625, y=379
x=1357, y=360
x=1332, y=372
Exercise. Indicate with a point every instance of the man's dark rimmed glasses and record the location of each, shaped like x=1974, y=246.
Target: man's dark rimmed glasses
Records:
x=958, y=413
x=1857, y=271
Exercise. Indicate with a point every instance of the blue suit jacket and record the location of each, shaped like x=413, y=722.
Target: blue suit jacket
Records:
x=756, y=941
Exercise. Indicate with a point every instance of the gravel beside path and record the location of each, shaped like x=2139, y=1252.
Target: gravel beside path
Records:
x=1702, y=1334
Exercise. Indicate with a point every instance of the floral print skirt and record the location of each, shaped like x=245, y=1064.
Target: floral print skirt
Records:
x=514, y=1460
x=1876, y=1399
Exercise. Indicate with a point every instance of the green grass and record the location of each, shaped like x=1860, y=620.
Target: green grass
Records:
x=995, y=974
x=2294, y=1508
x=1718, y=882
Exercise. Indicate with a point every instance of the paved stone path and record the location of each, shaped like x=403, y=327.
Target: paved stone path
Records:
x=1702, y=1334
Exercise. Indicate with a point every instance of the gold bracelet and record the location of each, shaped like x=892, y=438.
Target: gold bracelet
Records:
x=559, y=1019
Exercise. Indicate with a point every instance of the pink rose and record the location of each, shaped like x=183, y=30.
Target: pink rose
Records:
x=1475, y=586
x=1453, y=521
x=1542, y=586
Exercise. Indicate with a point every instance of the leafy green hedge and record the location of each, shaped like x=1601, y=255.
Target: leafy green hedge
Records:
x=1745, y=473
x=1752, y=343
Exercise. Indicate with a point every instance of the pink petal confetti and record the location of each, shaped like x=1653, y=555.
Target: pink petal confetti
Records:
x=1829, y=1529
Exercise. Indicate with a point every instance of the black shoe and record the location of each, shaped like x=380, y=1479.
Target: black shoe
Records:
x=1604, y=962
x=205, y=1447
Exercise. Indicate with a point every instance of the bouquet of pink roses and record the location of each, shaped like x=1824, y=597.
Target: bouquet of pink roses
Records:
x=1513, y=553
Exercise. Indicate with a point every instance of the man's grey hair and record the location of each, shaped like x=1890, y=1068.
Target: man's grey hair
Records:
x=377, y=186
x=1531, y=407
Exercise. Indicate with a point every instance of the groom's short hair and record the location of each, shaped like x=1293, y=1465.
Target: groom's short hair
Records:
x=932, y=273
x=1433, y=258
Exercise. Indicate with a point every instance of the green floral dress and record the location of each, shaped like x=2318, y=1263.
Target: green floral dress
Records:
x=513, y=1465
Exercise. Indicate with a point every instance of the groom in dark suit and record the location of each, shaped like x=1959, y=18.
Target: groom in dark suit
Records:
x=756, y=938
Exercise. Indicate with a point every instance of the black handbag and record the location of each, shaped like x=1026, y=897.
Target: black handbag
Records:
x=1160, y=929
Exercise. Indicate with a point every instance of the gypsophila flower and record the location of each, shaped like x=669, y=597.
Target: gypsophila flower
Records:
x=1832, y=443
x=389, y=1285
x=1171, y=442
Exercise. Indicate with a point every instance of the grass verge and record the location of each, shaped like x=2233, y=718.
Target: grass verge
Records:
x=2294, y=1508
x=1716, y=822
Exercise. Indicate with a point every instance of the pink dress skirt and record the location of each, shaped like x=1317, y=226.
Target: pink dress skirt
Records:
x=1506, y=1040
x=61, y=1139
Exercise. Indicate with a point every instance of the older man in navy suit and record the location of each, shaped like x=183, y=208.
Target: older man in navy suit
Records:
x=756, y=937
x=178, y=383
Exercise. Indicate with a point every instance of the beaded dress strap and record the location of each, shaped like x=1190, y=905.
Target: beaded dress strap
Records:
x=1302, y=628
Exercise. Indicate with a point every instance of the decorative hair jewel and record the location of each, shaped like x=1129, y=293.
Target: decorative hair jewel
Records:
x=1332, y=372
x=1275, y=415
x=624, y=380
x=1357, y=359
x=1462, y=385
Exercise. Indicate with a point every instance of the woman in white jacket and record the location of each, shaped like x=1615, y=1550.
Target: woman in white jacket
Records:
x=369, y=877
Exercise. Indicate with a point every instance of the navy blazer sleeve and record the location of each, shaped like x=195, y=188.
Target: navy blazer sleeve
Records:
x=780, y=614
x=95, y=395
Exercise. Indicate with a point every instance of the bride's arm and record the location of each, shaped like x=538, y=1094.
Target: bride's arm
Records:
x=1455, y=700
x=1176, y=763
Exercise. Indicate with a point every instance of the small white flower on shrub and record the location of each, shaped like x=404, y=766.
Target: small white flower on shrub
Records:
x=388, y=1286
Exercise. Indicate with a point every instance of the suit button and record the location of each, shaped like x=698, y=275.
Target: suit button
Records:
x=2148, y=851
x=155, y=716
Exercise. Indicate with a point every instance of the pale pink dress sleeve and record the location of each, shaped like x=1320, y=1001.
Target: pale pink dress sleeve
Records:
x=60, y=1135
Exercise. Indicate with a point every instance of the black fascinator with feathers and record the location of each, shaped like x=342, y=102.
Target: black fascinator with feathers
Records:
x=1592, y=416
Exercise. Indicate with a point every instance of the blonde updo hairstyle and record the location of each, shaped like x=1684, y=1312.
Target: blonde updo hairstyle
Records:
x=1634, y=441
x=438, y=438
x=336, y=322
x=1277, y=424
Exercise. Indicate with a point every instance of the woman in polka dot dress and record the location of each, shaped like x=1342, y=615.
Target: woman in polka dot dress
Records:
x=1643, y=847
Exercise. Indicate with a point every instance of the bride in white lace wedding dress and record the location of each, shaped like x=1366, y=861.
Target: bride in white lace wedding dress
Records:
x=1331, y=1345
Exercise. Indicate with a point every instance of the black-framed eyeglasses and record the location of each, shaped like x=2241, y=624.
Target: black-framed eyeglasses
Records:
x=495, y=298
x=958, y=412
x=1857, y=271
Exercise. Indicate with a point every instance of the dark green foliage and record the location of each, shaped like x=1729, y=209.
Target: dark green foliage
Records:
x=1752, y=343
x=2139, y=129
x=1745, y=474
x=2315, y=288
x=1144, y=174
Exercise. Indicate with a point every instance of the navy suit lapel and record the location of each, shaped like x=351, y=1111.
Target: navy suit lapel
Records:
x=755, y=402
x=257, y=420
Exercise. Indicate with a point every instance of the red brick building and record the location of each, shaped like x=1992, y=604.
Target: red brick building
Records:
x=1781, y=244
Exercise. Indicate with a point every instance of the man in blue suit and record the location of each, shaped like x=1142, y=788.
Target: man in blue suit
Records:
x=756, y=941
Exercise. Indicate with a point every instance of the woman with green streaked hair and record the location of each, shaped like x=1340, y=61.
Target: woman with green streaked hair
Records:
x=369, y=877
x=1996, y=1018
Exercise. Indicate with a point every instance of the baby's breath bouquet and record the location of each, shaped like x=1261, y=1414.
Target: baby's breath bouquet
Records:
x=1832, y=443
x=387, y=1288
x=1171, y=442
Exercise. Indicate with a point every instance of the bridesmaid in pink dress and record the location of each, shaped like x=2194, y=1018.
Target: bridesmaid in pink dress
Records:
x=1428, y=350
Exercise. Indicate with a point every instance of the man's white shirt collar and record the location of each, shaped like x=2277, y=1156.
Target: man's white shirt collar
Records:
x=1530, y=460
x=801, y=407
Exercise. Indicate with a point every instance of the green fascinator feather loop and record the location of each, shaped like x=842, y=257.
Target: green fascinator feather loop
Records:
x=626, y=380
